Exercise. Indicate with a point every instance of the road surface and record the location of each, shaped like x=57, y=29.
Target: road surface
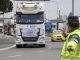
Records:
x=50, y=52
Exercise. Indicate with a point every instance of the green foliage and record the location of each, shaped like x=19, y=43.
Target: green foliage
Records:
x=6, y=6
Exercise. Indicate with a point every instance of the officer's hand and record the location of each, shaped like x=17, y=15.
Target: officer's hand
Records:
x=70, y=48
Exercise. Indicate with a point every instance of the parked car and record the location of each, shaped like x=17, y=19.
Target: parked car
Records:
x=57, y=36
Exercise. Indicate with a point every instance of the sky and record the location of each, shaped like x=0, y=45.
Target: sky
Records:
x=65, y=7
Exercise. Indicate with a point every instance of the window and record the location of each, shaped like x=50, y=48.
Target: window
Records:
x=53, y=26
x=30, y=18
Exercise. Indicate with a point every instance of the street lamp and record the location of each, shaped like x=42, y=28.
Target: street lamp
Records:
x=73, y=7
x=57, y=7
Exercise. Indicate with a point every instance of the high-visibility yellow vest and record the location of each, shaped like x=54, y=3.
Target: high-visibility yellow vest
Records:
x=73, y=55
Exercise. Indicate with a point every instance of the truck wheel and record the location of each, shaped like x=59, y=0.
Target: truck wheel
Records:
x=42, y=45
x=19, y=46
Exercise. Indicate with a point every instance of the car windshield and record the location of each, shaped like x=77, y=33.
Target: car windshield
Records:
x=30, y=18
x=57, y=32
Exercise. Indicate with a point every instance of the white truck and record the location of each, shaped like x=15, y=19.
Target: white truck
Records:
x=30, y=24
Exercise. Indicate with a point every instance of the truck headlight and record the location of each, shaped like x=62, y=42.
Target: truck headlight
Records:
x=18, y=39
x=42, y=38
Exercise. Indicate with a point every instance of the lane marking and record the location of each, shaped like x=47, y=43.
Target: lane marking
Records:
x=15, y=56
x=41, y=51
x=7, y=48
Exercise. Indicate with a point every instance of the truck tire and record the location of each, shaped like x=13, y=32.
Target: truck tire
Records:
x=18, y=46
x=42, y=45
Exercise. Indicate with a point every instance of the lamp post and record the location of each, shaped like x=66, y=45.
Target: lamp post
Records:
x=73, y=7
x=57, y=7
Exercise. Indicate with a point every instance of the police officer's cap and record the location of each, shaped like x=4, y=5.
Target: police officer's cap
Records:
x=73, y=22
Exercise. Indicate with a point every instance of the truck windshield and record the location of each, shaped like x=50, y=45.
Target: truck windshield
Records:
x=30, y=18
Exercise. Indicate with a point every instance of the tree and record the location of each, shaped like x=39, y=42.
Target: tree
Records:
x=6, y=6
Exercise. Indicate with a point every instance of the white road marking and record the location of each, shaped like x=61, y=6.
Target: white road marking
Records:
x=15, y=56
x=7, y=48
x=41, y=51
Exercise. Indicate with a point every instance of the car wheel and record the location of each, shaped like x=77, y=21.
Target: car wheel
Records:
x=52, y=40
x=19, y=46
x=63, y=40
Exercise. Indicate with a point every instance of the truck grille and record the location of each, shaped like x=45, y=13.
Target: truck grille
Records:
x=29, y=39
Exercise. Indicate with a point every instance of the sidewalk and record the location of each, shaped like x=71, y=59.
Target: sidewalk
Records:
x=6, y=40
x=4, y=36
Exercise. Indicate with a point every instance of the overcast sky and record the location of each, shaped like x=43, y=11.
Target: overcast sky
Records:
x=65, y=7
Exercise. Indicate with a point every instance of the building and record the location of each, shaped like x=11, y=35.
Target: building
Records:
x=54, y=24
x=4, y=22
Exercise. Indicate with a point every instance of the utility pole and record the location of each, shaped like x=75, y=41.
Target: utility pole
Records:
x=59, y=15
x=73, y=7
x=57, y=8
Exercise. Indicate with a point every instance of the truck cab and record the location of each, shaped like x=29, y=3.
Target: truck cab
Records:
x=30, y=24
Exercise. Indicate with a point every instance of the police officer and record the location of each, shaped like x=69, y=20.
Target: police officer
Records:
x=71, y=48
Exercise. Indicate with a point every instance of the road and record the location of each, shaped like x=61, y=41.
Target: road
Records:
x=50, y=52
x=6, y=41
